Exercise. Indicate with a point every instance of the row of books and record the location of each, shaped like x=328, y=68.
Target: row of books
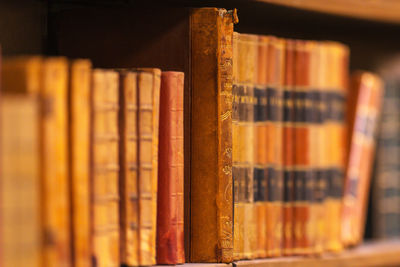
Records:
x=277, y=145
x=79, y=164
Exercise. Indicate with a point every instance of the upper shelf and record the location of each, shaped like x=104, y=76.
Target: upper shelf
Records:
x=377, y=10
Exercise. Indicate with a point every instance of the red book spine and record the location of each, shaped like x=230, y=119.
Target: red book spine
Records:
x=170, y=247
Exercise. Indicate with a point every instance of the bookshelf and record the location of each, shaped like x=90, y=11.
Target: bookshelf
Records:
x=360, y=24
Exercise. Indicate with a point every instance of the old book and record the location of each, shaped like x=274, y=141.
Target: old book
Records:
x=335, y=127
x=128, y=175
x=78, y=162
x=246, y=78
x=365, y=96
x=274, y=177
x=20, y=238
x=288, y=148
x=170, y=243
x=104, y=168
x=303, y=173
x=260, y=147
x=47, y=79
x=208, y=197
x=155, y=87
x=386, y=177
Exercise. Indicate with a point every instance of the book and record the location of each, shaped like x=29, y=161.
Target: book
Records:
x=46, y=78
x=104, y=168
x=366, y=92
x=385, y=188
x=245, y=149
x=79, y=141
x=170, y=243
x=20, y=238
x=128, y=163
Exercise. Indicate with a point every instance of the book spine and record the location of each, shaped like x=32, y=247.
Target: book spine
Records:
x=145, y=145
x=336, y=128
x=368, y=89
x=79, y=133
x=211, y=165
x=20, y=238
x=105, y=168
x=170, y=195
x=274, y=179
x=246, y=77
x=53, y=167
x=128, y=175
x=260, y=147
x=302, y=175
x=288, y=149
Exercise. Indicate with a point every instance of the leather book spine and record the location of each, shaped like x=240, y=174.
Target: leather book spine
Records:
x=156, y=115
x=260, y=147
x=302, y=174
x=247, y=70
x=105, y=168
x=20, y=238
x=170, y=177
x=145, y=146
x=367, y=92
x=288, y=148
x=211, y=222
x=128, y=175
x=236, y=167
x=54, y=159
x=336, y=131
x=274, y=179
x=79, y=133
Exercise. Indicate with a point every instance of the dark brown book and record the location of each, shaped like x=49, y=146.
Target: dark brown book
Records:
x=170, y=246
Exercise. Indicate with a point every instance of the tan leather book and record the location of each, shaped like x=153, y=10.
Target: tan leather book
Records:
x=104, y=168
x=78, y=162
x=337, y=78
x=366, y=93
x=211, y=220
x=47, y=79
x=20, y=238
x=156, y=82
x=128, y=175
x=246, y=79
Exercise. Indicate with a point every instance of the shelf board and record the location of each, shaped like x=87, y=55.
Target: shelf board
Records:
x=377, y=253
x=377, y=10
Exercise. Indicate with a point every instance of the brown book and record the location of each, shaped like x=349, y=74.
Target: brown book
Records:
x=170, y=243
x=274, y=179
x=244, y=167
x=208, y=194
x=78, y=137
x=335, y=127
x=128, y=175
x=155, y=87
x=47, y=79
x=288, y=148
x=20, y=238
x=365, y=97
x=260, y=147
x=104, y=168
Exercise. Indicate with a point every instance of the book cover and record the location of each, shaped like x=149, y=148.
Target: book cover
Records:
x=104, y=168
x=170, y=243
x=366, y=92
x=78, y=162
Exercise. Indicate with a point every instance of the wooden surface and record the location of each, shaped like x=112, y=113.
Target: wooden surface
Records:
x=370, y=254
x=380, y=10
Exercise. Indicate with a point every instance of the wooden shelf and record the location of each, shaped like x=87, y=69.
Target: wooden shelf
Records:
x=378, y=253
x=378, y=10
